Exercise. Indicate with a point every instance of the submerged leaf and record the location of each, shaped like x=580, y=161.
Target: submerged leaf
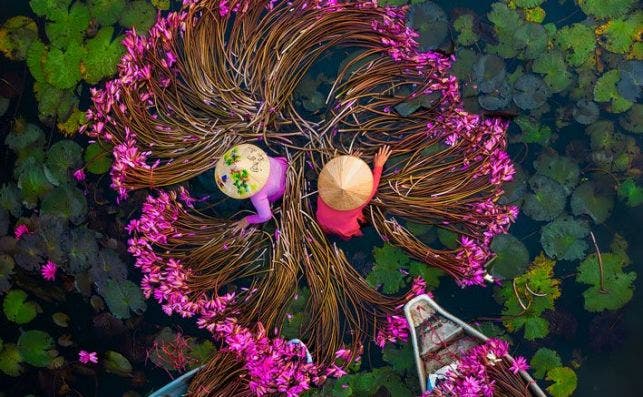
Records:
x=123, y=298
x=629, y=86
x=62, y=156
x=81, y=248
x=53, y=102
x=6, y=271
x=547, y=200
x=585, y=112
x=564, y=239
x=544, y=360
x=17, y=308
x=98, y=159
x=530, y=92
x=34, y=347
x=511, y=258
x=590, y=200
x=632, y=121
x=562, y=169
x=65, y=201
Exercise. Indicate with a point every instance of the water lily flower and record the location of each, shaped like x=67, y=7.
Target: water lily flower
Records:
x=20, y=230
x=86, y=357
x=48, y=270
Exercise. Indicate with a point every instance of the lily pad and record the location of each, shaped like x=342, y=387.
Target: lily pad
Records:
x=68, y=27
x=618, y=284
x=106, y=12
x=618, y=35
x=532, y=39
x=16, y=36
x=632, y=121
x=67, y=202
x=605, y=91
x=11, y=360
x=386, y=271
x=514, y=190
x=50, y=8
x=6, y=271
x=552, y=65
x=81, y=248
x=577, y=42
x=490, y=73
x=108, y=267
x=630, y=192
x=565, y=239
x=512, y=257
x=103, y=54
x=117, y=364
x=530, y=92
x=606, y=8
x=138, y=14
x=547, y=200
x=544, y=360
x=564, y=379
x=53, y=102
x=431, y=23
x=532, y=131
x=629, y=86
x=10, y=199
x=23, y=136
x=98, y=159
x=585, y=112
x=562, y=169
x=62, y=156
x=17, y=308
x=497, y=99
x=466, y=33
x=590, y=199
x=62, y=68
x=34, y=347
x=123, y=298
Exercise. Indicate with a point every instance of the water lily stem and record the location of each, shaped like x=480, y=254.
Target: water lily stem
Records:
x=600, y=265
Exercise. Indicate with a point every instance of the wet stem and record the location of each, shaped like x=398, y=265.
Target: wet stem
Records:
x=600, y=265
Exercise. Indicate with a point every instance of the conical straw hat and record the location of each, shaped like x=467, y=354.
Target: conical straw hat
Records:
x=345, y=183
x=242, y=171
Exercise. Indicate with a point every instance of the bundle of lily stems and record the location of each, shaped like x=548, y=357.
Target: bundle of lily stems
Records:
x=219, y=73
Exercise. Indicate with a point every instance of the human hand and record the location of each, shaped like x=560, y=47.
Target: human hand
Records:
x=382, y=156
x=357, y=153
x=240, y=226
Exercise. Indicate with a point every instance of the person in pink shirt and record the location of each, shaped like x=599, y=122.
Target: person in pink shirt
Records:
x=246, y=171
x=346, y=185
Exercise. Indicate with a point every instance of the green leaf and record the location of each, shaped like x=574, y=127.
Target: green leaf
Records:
x=11, y=360
x=201, y=352
x=564, y=381
x=464, y=26
x=16, y=36
x=564, y=239
x=552, y=65
x=632, y=121
x=547, y=200
x=577, y=42
x=24, y=136
x=535, y=328
x=512, y=257
x=605, y=91
x=81, y=249
x=606, y=8
x=531, y=37
x=400, y=358
x=70, y=126
x=103, y=54
x=106, y=12
x=34, y=347
x=590, y=199
x=6, y=271
x=528, y=3
x=619, y=35
x=562, y=169
x=630, y=192
x=448, y=238
x=62, y=156
x=62, y=69
x=430, y=274
x=36, y=56
x=386, y=271
x=67, y=202
x=117, y=364
x=532, y=131
x=69, y=27
x=53, y=102
x=33, y=184
x=544, y=360
x=138, y=14
x=530, y=92
x=618, y=285
x=51, y=9
x=123, y=297
x=17, y=308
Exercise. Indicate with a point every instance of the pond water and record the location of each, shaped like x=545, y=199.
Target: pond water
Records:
x=602, y=347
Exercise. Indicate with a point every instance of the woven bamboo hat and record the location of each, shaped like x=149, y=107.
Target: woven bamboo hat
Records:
x=242, y=171
x=345, y=183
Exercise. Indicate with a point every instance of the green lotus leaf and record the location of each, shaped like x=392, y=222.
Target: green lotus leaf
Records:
x=16, y=35
x=70, y=126
x=400, y=358
x=62, y=69
x=531, y=37
x=532, y=131
x=539, y=279
x=24, y=136
x=577, y=42
x=512, y=257
x=430, y=274
x=51, y=9
x=6, y=271
x=17, y=309
x=123, y=298
x=605, y=91
x=36, y=56
x=53, y=102
x=528, y=3
x=33, y=184
x=386, y=270
x=98, y=160
x=67, y=202
x=632, y=121
x=62, y=156
x=552, y=65
x=585, y=112
x=629, y=86
x=69, y=27
x=81, y=248
x=431, y=23
x=547, y=200
x=562, y=169
x=564, y=239
x=630, y=192
x=34, y=347
x=138, y=14
x=10, y=199
x=618, y=35
x=103, y=54
x=564, y=381
x=530, y=92
x=606, y=8
x=618, y=284
x=117, y=364
x=544, y=360
x=590, y=199
x=106, y=12
x=464, y=26
x=11, y=360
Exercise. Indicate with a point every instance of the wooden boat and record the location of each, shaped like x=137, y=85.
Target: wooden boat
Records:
x=438, y=338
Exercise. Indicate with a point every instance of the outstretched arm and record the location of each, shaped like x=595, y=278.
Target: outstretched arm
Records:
x=379, y=160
